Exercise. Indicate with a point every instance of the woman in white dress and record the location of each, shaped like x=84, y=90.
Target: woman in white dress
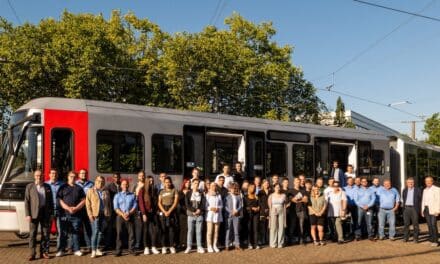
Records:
x=277, y=217
x=214, y=205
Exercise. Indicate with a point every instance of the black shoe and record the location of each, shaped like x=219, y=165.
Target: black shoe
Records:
x=118, y=254
x=340, y=242
x=134, y=253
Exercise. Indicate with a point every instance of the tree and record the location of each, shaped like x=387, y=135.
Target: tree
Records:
x=340, y=118
x=239, y=70
x=5, y=114
x=432, y=128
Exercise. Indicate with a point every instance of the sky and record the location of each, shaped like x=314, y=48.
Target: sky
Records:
x=403, y=66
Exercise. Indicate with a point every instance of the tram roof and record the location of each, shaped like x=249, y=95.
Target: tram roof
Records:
x=94, y=106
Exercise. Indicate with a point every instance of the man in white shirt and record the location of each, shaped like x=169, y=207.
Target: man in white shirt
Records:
x=229, y=178
x=431, y=208
x=350, y=172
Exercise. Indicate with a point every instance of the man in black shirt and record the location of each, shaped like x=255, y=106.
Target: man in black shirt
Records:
x=113, y=188
x=299, y=200
x=72, y=200
x=239, y=174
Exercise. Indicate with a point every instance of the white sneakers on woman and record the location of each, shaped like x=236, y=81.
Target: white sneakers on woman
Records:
x=216, y=249
x=200, y=250
x=210, y=249
x=146, y=251
x=154, y=250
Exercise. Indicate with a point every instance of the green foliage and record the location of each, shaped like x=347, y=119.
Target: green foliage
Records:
x=239, y=70
x=432, y=128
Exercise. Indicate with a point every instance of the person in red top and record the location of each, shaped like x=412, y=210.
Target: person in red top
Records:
x=147, y=200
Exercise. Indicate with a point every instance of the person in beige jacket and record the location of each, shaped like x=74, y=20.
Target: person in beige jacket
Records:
x=431, y=208
x=98, y=204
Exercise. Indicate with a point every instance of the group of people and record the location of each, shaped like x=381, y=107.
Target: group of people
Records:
x=231, y=212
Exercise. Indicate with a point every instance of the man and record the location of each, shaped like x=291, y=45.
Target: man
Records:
x=39, y=208
x=350, y=191
x=350, y=173
x=320, y=184
x=72, y=199
x=274, y=180
x=364, y=199
x=329, y=187
x=195, y=175
x=357, y=181
x=223, y=191
x=411, y=203
x=388, y=204
x=125, y=206
x=375, y=187
x=431, y=208
x=113, y=188
x=337, y=174
x=87, y=226
x=239, y=174
x=302, y=181
x=299, y=200
x=337, y=203
x=257, y=182
x=55, y=185
x=221, y=187
x=290, y=211
x=229, y=178
x=161, y=185
x=138, y=222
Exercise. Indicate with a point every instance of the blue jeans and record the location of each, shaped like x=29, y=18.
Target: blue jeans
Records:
x=97, y=232
x=368, y=216
x=74, y=222
x=232, y=225
x=383, y=215
x=198, y=222
x=59, y=230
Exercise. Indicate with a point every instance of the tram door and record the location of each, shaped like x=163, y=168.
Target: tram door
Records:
x=194, y=149
x=255, y=153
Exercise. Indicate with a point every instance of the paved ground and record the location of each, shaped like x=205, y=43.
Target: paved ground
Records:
x=353, y=252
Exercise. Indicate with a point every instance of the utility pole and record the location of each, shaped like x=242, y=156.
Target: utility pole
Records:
x=413, y=127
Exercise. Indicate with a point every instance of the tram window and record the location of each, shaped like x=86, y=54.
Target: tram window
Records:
x=166, y=154
x=276, y=157
x=422, y=164
x=377, y=161
x=62, y=151
x=119, y=151
x=364, y=160
x=303, y=160
x=411, y=162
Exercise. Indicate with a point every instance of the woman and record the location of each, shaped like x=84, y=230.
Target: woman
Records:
x=98, y=205
x=263, y=196
x=147, y=201
x=168, y=200
x=234, y=212
x=195, y=206
x=214, y=205
x=183, y=218
x=277, y=213
x=317, y=207
x=252, y=207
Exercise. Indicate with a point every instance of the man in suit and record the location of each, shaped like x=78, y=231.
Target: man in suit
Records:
x=431, y=208
x=39, y=210
x=338, y=174
x=411, y=202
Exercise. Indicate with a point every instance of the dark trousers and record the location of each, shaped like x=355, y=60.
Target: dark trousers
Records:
x=129, y=226
x=299, y=225
x=431, y=220
x=264, y=230
x=252, y=229
x=87, y=229
x=43, y=221
x=183, y=230
x=352, y=225
x=290, y=223
x=410, y=216
x=70, y=226
x=150, y=229
x=167, y=228
x=138, y=230
x=110, y=232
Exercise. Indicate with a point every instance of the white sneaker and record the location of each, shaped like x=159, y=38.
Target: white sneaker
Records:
x=216, y=249
x=200, y=250
x=59, y=254
x=164, y=250
x=147, y=251
x=187, y=250
x=250, y=247
x=172, y=250
x=154, y=250
x=210, y=250
x=99, y=253
x=78, y=253
x=93, y=254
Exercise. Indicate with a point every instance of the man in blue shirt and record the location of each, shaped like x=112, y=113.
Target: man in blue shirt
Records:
x=125, y=206
x=388, y=204
x=364, y=199
x=350, y=191
x=55, y=185
x=87, y=226
x=375, y=187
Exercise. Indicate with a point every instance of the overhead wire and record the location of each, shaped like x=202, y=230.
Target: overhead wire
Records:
x=14, y=11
